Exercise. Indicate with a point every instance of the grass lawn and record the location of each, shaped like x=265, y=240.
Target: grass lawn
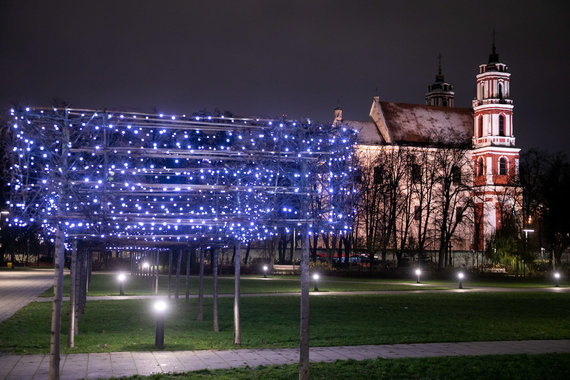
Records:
x=105, y=284
x=274, y=322
x=553, y=367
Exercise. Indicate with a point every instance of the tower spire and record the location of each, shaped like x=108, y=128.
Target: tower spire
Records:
x=493, y=57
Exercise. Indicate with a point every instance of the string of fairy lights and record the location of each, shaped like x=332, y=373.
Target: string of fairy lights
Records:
x=156, y=177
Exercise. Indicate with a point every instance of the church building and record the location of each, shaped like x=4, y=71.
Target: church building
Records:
x=484, y=179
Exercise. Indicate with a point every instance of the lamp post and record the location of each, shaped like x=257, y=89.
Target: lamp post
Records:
x=265, y=268
x=121, y=279
x=418, y=273
x=159, y=309
x=460, y=276
x=316, y=282
x=146, y=267
x=557, y=279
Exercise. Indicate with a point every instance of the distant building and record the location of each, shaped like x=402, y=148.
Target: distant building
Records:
x=487, y=171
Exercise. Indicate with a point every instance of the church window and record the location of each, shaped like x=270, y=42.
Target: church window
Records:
x=459, y=214
x=500, y=91
x=481, y=126
x=480, y=167
x=416, y=173
x=456, y=173
x=377, y=175
x=501, y=125
x=417, y=213
x=502, y=166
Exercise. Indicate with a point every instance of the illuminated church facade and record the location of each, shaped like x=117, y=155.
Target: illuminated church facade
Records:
x=482, y=181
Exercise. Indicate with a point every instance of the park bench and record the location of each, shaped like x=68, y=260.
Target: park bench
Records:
x=286, y=269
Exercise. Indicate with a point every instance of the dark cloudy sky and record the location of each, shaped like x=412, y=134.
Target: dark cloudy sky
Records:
x=295, y=57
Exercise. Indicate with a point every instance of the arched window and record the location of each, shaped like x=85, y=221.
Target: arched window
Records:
x=480, y=167
x=500, y=91
x=480, y=126
x=502, y=166
x=501, y=125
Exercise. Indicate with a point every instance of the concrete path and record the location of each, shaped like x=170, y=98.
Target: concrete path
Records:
x=116, y=364
x=18, y=288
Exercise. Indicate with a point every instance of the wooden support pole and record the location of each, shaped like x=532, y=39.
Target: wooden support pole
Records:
x=81, y=258
x=72, y=296
x=178, y=265
x=156, y=272
x=201, y=286
x=237, y=270
x=188, y=258
x=304, y=333
x=304, y=323
x=59, y=261
x=169, y=273
x=215, y=288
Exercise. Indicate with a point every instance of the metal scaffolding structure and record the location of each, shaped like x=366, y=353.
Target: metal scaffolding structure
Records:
x=124, y=176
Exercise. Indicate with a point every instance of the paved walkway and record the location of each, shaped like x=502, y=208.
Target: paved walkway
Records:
x=115, y=364
x=18, y=288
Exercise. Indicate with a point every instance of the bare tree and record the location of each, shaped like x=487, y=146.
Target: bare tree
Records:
x=452, y=196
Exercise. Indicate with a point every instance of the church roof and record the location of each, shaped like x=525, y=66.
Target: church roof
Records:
x=367, y=132
x=421, y=124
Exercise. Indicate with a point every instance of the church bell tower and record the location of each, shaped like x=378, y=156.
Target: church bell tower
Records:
x=440, y=93
x=495, y=157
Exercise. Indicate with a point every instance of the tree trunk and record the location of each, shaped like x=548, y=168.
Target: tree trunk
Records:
x=187, y=300
x=59, y=261
x=237, y=270
x=201, y=287
x=178, y=265
x=215, y=288
x=72, y=296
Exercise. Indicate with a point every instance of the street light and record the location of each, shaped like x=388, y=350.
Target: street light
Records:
x=265, y=268
x=460, y=276
x=316, y=282
x=160, y=310
x=418, y=273
x=121, y=279
x=146, y=267
x=557, y=279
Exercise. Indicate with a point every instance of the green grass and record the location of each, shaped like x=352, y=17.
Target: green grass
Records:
x=105, y=284
x=274, y=322
x=552, y=366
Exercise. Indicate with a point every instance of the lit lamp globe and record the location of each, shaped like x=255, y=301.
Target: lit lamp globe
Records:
x=418, y=273
x=159, y=310
x=265, y=268
x=122, y=278
x=557, y=279
x=316, y=282
x=460, y=277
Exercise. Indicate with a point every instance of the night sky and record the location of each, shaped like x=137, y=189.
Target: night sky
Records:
x=299, y=58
